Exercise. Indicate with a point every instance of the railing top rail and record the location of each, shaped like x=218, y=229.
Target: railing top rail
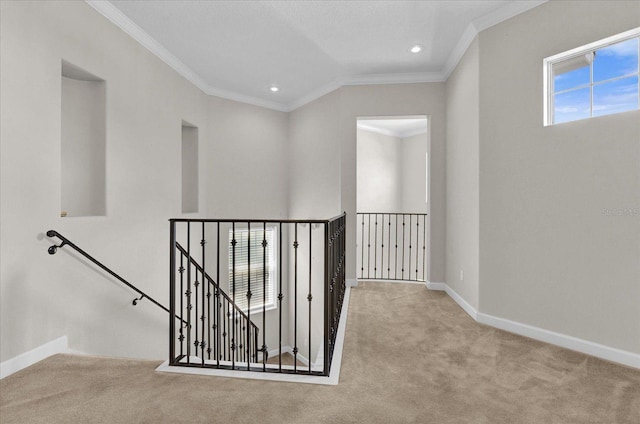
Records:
x=392, y=213
x=259, y=221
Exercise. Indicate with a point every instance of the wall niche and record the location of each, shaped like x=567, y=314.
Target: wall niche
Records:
x=189, y=168
x=83, y=143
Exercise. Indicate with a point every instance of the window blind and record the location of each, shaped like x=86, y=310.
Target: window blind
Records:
x=251, y=261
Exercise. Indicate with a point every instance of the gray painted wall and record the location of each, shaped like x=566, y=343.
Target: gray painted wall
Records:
x=463, y=184
x=550, y=254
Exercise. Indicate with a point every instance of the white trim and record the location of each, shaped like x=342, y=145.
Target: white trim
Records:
x=391, y=133
x=436, y=286
x=399, y=78
x=466, y=306
x=300, y=356
x=352, y=282
x=332, y=379
x=113, y=14
x=459, y=50
x=569, y=342
x=547, y=72
x=314, y=95
x=384, y=280
x=507, y=11
x=24, y=360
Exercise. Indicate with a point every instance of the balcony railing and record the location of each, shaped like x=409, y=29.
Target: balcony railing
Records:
x=392, y=246
x=252, y=292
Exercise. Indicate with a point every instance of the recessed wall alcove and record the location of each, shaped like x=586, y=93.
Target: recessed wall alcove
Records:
x=189, y=168
x=83, y=143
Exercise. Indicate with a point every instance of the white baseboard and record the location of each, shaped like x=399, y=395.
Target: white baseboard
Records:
x=568, y=342
x=436, y=286
x=352, y=282
x=288, y=349
x=22, y=361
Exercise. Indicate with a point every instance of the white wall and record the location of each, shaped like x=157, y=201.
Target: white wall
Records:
x=550, y=255
x=314, y=159
x=463, y=203
x=189, y=169
x=379, y=167
x=413, y=176
x=83, y=191
x=394, y=100
x=242, y=170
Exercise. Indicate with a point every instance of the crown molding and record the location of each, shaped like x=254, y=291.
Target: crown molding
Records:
x=398, y=78
x=459, y=50
x=391, y=133
x=508, y=11
x=315, y=94
x=230, y=95
x=112, y=13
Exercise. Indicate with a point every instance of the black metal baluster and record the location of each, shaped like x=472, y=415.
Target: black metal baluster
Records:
x=375, y=250
x=205, y=315
x=326, y=365
x=382, y=249
x=264, y=296
x=368, y=245
x=181, y=270
x=417, y=244
x=233, y=295
x=424, y=249
x=172, y=295
x=280, y=297
x=362, y=249
x=389, y=250
x=188, y=293
x=249, y=294
x=309, y=296
x=295, y=298
x=217, y=296
x=403, y=243
x=228, y=336
x=410, y=230
x=395, y=275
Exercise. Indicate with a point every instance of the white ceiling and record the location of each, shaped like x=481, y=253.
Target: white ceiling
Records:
x=238, y=49
x=395, y=127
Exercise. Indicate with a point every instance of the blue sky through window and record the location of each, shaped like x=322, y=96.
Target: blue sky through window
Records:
x=572, y=93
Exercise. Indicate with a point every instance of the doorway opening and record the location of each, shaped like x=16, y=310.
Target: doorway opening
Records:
x=393, y=198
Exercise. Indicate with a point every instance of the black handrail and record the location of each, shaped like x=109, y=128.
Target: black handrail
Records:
x=65, y=241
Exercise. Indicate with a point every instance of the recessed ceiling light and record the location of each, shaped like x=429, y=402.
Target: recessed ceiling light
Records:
x=416, y=49
x=274, y=88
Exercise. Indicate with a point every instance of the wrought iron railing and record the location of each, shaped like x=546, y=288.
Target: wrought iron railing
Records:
x=287, y=275
x=392, y=246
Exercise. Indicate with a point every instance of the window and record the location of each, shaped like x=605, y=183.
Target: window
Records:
x=249, y=260
x=598, y=79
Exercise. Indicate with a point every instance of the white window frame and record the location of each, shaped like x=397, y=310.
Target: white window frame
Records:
x=273, y=273
x=547, y=68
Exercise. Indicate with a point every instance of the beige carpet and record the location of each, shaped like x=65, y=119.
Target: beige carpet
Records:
x=411, y=356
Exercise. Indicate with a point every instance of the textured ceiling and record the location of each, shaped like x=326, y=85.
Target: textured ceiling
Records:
x=238, y=49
